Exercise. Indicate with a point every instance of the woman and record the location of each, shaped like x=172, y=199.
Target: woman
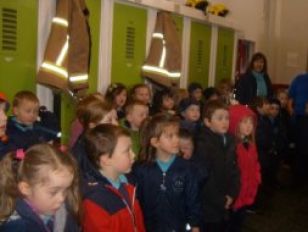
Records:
x=255, y=82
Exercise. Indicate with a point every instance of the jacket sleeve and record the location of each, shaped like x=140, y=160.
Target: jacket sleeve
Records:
x=193, y=200
x=202, y=161
x=233, y=174
x=95, y=218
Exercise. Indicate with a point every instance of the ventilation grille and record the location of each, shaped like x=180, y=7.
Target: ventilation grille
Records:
x=200, y=54
x=130, y=43
x=9, y=29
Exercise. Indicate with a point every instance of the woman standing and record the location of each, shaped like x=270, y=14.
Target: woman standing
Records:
x=255, y=82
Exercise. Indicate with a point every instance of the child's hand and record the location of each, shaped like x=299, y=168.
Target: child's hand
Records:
x=229, y=201
x=195, y=229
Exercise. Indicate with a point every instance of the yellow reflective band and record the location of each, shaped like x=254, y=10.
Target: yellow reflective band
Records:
x=61, y=21
x=161, y=71
x=79, y=78
x=163, y=57
x=63, y=52
x=158, y=35
x=56, y=69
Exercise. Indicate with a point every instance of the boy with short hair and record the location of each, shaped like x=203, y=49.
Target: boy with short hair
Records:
x=215, y=156
x=189, y=109
x=136, y=112
x=186, y=144
x=24, y=129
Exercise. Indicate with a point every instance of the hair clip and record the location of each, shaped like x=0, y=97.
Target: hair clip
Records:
x=20, y=154
x=63, y=148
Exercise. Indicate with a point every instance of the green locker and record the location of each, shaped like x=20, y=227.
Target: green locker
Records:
x=224, y=59
x=128, y=44
x=18, y=33
x=67, y=104
x=199, y=54
x=178, y=20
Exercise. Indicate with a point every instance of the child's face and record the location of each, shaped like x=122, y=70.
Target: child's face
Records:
x=120, y=99
x=274, y=110
x=168, y=143
x=197, y=94
x=283, y=98
x=143, y=94
x=168, y=103
x=123, y=157
x=3, y=118
x=137, y=115
x=219, y=122
x=192, y=113
x=26, y=112
x=246, y=127
x=186, y=147
x=264, y=109
x=48, y=196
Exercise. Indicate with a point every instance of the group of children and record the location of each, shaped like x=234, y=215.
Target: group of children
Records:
x=179, y=164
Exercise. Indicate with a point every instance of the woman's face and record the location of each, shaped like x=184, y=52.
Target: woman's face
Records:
x=258, y=65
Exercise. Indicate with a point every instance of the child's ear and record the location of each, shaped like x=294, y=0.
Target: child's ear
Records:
x=24, y=188
x=104, y=160
x=15, y=110
x=154, y=142
x=207, y=122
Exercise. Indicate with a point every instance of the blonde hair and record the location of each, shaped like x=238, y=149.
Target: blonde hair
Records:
x=29, y=169
x=24, y=96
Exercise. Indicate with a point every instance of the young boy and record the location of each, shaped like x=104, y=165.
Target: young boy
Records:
x=110, y=202
x=23, y=128
x=136, y=112
x=91, y=111
x=190, y=112
x=186, y=144
x=215, y=154
x=142, y=93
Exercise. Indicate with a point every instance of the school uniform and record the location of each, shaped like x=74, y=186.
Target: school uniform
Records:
x=108, y=207
x=25, y=219
x=215, y=153
x=169, y=195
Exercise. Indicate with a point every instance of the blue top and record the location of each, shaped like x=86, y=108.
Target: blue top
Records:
x=164, y=166
x=299, y=93
x=261, y=85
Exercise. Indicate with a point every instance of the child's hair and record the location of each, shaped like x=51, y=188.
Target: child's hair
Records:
x=179, y=95
x=159, y=97
x=114, y=90
x=92, y=110
x=24, y=95
x=185, y=134
x=193, y=86
x=224, y=85
x=211, y=106
x=209, y=92
x=102, y=140
x=138, y=86
x=131, y=104
x=30, y=170
x=154, y=128
x=281, y=90
x=259, y=102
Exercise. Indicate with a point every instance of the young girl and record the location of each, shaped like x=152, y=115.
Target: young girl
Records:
x=242, y=125
x=167, y=185
x=163, y=102
x=39, y=191
x=117, y=95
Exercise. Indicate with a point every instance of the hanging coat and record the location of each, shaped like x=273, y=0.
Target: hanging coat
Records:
x=66, y=61
x=163, y=64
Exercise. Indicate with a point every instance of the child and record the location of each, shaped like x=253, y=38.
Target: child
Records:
x=163, y=102
x=136, y=113
x=142, y=93
x=23, y=128
x=189, y=109
x=39, y=191
x=186, y=144
x=195, y=91
x=168, y=187
x=215, y=154
x=242, y=126
x=117, y=95
x=110, y=202
x=93, y=112
x=210, y=93
x=4, y=141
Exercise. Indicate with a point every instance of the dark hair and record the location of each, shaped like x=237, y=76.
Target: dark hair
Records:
x=257, y=56
x=211, y=106
x=159, y=97
x=209, y=92
x=259, y=102
x=185, y=134
x=154, y=128
x=193, y=86
x=102, y=140
x=29, y=169
x=114, y=90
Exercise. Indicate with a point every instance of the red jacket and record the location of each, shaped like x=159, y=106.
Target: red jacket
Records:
x=249, y=166
x=105, y=209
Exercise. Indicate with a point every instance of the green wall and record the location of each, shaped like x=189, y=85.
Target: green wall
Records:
x=199, y=54
x=128, y=44
x=224, y=59
x=67, y=104
x=18, y=67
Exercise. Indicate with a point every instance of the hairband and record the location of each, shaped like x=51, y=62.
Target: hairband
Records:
x=20, y=154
